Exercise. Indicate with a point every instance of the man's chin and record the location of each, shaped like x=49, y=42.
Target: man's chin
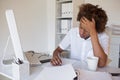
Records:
x=85, y=37
x=82, y=37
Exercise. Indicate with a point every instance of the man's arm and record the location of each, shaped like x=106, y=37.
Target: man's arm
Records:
x=56, y=59
x=97, y=49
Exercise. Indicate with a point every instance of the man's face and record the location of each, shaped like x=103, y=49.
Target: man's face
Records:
x=83, y=33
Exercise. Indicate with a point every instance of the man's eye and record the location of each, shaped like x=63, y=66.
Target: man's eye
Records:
x=81, y=28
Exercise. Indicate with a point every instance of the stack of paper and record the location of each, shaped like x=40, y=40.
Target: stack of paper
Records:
x=91, y=75
x=64, y=72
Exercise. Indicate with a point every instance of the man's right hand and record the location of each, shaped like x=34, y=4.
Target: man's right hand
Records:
x=56, y=61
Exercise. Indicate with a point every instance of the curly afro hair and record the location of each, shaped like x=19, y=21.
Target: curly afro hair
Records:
x=93, y=11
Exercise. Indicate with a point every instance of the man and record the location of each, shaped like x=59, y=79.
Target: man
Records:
x=89, y=39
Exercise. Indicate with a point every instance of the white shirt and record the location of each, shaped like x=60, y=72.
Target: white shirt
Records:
x=80, y=48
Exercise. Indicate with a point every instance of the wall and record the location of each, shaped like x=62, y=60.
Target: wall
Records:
x=51, y=24
x=31, y=19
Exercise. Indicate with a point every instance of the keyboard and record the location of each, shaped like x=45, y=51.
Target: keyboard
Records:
x=37, y=58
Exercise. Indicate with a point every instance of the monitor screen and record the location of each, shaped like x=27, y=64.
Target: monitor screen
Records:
x=14, y=34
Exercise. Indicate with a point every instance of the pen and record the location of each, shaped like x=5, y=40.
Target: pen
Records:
x=18, y=61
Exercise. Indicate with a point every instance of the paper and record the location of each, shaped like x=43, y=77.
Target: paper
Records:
x=64, y=72
x=65, y=61
x=90, y=75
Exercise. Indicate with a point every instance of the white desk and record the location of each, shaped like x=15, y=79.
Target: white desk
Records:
x=34, y=71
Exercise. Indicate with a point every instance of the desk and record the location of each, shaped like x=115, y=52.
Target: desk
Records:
x=34, y=71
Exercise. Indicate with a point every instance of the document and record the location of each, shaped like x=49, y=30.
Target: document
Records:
x=64, y=72
x=91, y=75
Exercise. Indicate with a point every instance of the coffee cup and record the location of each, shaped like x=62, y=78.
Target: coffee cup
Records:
x=92, y=63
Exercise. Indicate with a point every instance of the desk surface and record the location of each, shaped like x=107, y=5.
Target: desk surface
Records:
x=77, y=65
x=35, y=70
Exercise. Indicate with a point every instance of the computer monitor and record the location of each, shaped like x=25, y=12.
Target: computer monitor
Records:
x=14, y=34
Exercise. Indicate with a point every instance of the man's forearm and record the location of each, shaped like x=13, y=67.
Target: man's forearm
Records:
x=97, y=49
x=57, y=51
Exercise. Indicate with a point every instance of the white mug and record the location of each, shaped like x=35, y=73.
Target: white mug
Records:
x=92, y=63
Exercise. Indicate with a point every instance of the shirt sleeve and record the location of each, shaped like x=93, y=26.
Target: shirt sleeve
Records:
x=105, y=43
x=66, y=41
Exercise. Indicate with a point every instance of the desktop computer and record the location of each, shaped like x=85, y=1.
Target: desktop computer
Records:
x=12, y=69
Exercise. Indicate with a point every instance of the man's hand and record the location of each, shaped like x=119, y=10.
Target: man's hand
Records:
x=55, y=61
x=88, y=25
x=56, y=58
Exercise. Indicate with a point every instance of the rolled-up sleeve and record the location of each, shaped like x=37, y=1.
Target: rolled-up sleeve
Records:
x=66, y=41
x=105, y=43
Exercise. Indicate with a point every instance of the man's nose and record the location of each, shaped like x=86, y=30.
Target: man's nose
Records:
x=82, y=31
